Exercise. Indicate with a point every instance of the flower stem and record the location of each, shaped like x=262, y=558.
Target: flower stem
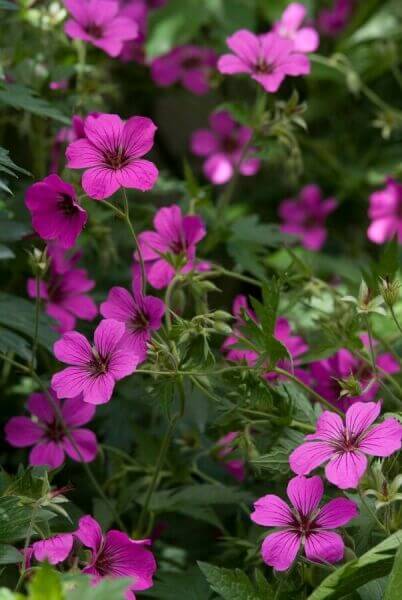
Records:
x=395, y=318
x=131, y=228
x=36, y=322
x=370, y=511
x=371, y=347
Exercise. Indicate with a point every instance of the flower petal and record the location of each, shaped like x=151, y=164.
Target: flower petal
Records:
x=89, y=533
x=85, y=447
x=73, y=349
x=70, y=382
x=55, y=549
x=279, y=549
x=336, y=513
x=107, y=336
x=82, y=154
x=138, y=136
x=309, y=456
x=383, y=439
x=140, y=174
x=305, y=493
x=100, y=182
x=98, y=389
x=49, y=454
x=346, y=469
x=76, y=412
x=246, y=45
x=120, y=305
x=21, y=432
x=271, y=511
x=361, y=415
x=39, y=405
x=324, y=546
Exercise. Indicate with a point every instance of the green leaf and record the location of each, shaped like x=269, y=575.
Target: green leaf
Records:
x=394, y=587
x=8, y=166
x=82, y=589
x=46, y=583
x=230, y=584
x=277, y=460
x=6, y=594
x=20, y=97
x=14, y=519
x=6, y=5
x=249, y=229
x=11, y=342
x=6, y=253
x=233, y=14
x=12, y=231
x=19, y=314
x=175, y=23
x=190, y=585
x=9, y=555
x=375, y=563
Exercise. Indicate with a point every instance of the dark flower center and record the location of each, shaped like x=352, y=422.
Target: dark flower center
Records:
x=116, y=159
x=303, y=524
x=55, y=431
x=229, y=144
x=192, y=62
x=264, y=68
x=66, y=205
x=98, y=364
x=139, y=321
x=102, y=564
x=178, y=246
x=95, y=31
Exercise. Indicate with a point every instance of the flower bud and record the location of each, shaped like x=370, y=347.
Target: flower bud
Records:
x=350, y=386
x=222, y=327
x=39, y=262
x=390, y=291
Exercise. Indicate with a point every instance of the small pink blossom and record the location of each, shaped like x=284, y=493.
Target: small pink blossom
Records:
x=327, y=373
x=93, y=370
x=112, y=151
x=295, y=345
x=223, y=147
x=48, y=435
x=99, y=23
x=54, y=550
x=305, y=39
x=332, y=21
x=66, y=135
x=190, y=65
x=115, y=555
x=171, y=248
x=268, y=58
x=141, y=315
x=305, y=217
x=56, y=214
x=385, y=212
x=303, y=526
x=343, y=446
x=65, y=291
x=234, y=466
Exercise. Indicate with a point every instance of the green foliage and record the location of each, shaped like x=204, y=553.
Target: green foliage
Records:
x=394, y=587
x=23, y=98
x=231, y=584
x=46, y=583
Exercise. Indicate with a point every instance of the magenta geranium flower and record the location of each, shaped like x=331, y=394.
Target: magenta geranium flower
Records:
x=333, y=20
x=171, y=248
x=385, y=212
x=266, y=58
x=54, y=549
x=56, y=214
x=190, y=65
x=93, y=370
x=65, y=292
x=48, y=435
x=116, y=555
x=303, y=526
x=140, y=314
x=234, y=466
x=223, y=146
x=328, y=373
x=343, y=446
x=305, y=217
x=112, y=151
x=290, y=26
x=99, y=23
x=295, y=345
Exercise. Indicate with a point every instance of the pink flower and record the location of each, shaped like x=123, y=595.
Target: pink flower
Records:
x=327, y=373
x=189, y=65
x=344, y=446
x=54, y=550
x=94, y=369
x=295, y=345
x=305, y=39
x=56, y=214
x=304, y=525
x=385, y=213
x=171, y=248
x=66, y=135
x=267, y=58
x=64, y=292
x=115, y=555
x=223, y=146
x=99, y=23
x=140, y=314
x=305, y=217
x=47, y=434
x=332, y=21
x=235, y=466
x=112, y=151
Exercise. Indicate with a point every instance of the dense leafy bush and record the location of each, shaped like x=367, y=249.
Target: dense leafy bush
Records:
x=200, y=318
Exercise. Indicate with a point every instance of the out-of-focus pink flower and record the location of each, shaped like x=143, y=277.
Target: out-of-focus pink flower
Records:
x=50, y=438
x=59, y=85
x=141, y=315
x=266, y=58
x=171, y=248
x=326, y=375
x=115, y=555
x=343, y=447
x=305, y=217
x=65, y=291
x=223, y=147
x=189, y=65
x=332, y=21
x=56, y=214
x=305, y=39
x=295, y=345
x=304, y=525
x=385, y=212
x=99, y=23
x=94, y=370
x=235, y=466
x=111, y=152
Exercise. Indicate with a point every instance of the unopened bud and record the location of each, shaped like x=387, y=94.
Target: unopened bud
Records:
x=222, y=327
x=39, y=261
x=390, y=291
x=222, y=315
x=350, y=386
